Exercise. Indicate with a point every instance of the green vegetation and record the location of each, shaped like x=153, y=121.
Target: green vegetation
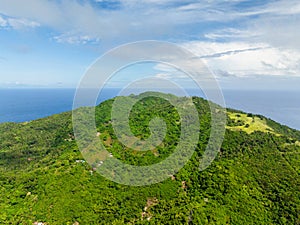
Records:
x=248, y=123
x=254, y=180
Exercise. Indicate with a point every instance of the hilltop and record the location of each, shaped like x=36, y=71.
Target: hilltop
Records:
x=254, y=179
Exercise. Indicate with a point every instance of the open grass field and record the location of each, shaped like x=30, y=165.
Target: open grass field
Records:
x=249, y=123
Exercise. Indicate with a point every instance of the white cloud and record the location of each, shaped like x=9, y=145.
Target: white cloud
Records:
x=17, y=23
x=246, y=60
x=135, y=20
x=164, y=67
x=174, y=73
x=163, y=76
x=75, y=39
x=3, y=22
x=134, y=3
x=82, y=19
x=232, y=33
x=275, y=8
x=275, y=22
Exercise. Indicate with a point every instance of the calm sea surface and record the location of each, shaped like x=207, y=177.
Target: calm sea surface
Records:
x=19, y=105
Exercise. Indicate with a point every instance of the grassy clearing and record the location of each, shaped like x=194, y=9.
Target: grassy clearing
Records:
x=248, y=123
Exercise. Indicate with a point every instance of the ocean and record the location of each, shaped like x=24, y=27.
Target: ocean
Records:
x=20, y=105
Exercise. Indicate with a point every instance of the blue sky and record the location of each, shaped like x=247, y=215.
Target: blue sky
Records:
x=247, y=44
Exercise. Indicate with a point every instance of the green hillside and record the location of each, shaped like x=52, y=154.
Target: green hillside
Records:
x=254, y=180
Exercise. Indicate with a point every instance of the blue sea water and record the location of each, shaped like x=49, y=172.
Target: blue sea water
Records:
x=19, y=105
x=281, y=106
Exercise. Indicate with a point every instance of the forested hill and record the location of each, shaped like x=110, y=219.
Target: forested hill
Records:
x=254, y=179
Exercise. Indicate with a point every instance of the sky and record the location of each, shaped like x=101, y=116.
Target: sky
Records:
x=247, y=44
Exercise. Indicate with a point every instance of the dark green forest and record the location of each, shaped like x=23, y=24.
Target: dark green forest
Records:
x=253, y=180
